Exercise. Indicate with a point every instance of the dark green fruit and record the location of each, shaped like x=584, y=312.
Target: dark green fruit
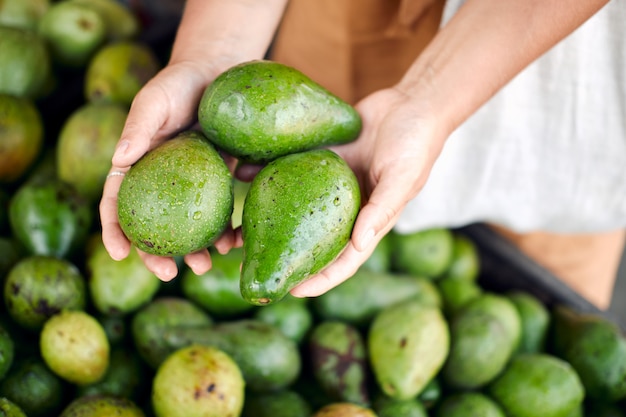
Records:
x=50, y=218
x=111, y=290
x=217, y=290
x=268, y=359
x=596, y=349
x=291, y=315
x=535, y=319
x=258, y=111
x=7, y=351
x=339, y=361
x=34, y=388
x=22, y=136
x=122, y=379
x=25, y=62
x=178, y=198
x=86, y=144
x=38, y=287
x=366, y=293
x=151, y=322
x=469, y=404
x=389, y=407
x=538, y=384
x=118, y=70
x=297, y=218
x=198, y=381
x=284, y=403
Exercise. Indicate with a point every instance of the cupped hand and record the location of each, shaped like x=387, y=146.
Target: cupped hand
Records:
x=392, y=159
x=166, y=105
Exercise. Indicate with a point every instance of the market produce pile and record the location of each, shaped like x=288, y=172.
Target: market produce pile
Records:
x=413, y=333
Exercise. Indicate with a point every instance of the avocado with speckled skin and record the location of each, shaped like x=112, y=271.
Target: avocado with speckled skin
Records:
x=178, y=198
x=260, y=110
x=102, y=406
x=297, y=217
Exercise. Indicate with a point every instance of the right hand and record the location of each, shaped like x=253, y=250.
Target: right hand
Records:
x=166, y=105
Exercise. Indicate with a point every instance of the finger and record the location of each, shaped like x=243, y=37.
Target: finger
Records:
x=226, y=241
x=344, y=267
x=113, y=238
x=199, y=262
x=147, y=115
x=164, y=268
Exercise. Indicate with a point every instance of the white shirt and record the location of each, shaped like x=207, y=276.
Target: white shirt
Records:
x=548, y=152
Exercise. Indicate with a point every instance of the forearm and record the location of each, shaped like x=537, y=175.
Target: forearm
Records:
x=221, y=33
x=483, y=47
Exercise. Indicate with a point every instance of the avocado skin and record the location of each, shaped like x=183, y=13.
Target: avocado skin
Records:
x=260, y=110
x=297, y=217
x=178, y=198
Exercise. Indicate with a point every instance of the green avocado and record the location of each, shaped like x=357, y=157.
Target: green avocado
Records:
x=260, y=110
x=469, y=404
x=283, y=403
x=297, y=217
x=102, y=406
x=178, y=198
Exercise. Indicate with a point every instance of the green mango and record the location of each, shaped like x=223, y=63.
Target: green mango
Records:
x=33, y=387
x=123, y=377
x=102, y=406
x=9, y=409
x=297, y=217
x=120, y=21
x=38, y=287
x=456, y=293
x=178, y=198
x=596, y=349
x=118, y=288
x=535, y=319
x=24, y=14
x=469, y=404
x=260, y=110
x=73, y=33
x=380, y=259
x=538, y=384
x=198, y=381
x=75, y=347
x=26, y=63
x=465, y=262
x=484, y=336
x=118, y=70
x=7, y=351
x=283, y=403
x=22, y=136
x=426, y=253
x=217, y=290
x=86, y=144
x=389, y=407
x=339, y=361
x=150, y=322
x=344, y=409
x=291, y=315
x=49, y=217
x=408, y=344
x=268, y=359
x=358, y=299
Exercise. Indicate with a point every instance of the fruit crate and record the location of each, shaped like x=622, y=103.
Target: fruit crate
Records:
x=504, y=267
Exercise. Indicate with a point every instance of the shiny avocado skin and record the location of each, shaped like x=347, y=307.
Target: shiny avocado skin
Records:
x=297, y=217
x=178, y=198
x=260, y=110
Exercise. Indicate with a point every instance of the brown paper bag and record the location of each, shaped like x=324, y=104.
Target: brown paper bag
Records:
x=354, y=47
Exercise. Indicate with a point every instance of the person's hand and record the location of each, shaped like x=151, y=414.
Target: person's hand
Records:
x=392, y=159
x=166, y=105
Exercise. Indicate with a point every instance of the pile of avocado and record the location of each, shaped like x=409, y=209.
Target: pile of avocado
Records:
x=412, y=334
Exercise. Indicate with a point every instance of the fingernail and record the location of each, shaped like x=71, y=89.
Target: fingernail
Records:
x=121, y=149
x=367, y=238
